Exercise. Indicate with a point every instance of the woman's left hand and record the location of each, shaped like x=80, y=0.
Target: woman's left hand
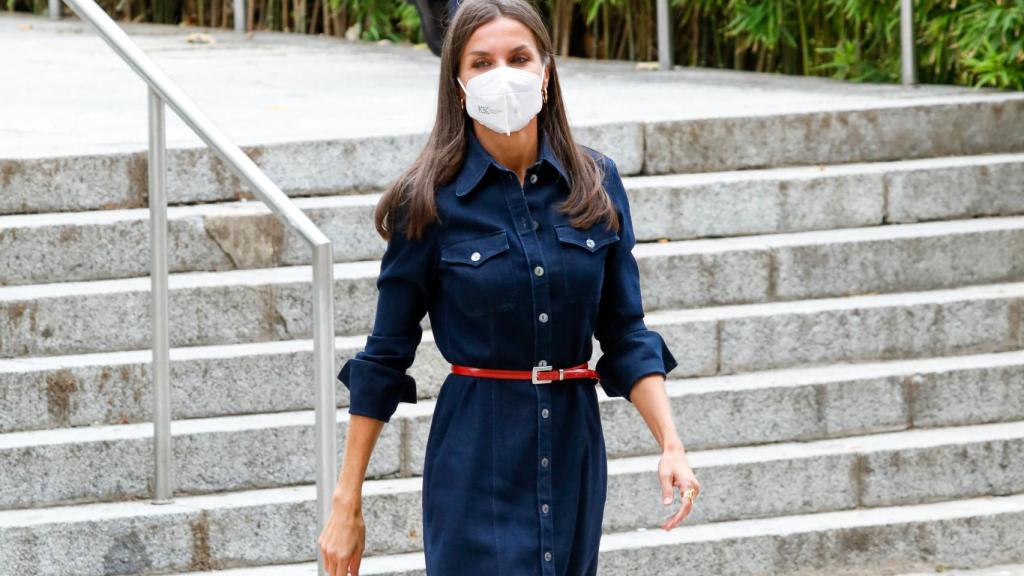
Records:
x=674, y=470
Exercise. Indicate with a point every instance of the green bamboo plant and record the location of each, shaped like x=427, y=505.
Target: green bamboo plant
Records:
x=965, y=42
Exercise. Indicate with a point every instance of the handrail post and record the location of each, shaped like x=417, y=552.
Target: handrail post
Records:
x=241, y=17
x=160, y=377
x=163, y=93
x=908, y=72
x=54, y=8
x=665, y=48
x=326, y=404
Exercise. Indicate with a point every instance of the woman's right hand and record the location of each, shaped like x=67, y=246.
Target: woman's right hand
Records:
x=343, y=539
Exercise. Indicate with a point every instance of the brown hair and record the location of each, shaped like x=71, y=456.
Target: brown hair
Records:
x=443, y=154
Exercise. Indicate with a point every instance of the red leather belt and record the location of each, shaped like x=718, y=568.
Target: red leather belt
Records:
x=538, y=375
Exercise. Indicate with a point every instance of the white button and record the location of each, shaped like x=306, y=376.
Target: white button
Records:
x=544, y=508
x=590, y=243
x=543, y=317
x=542, y=363
x=539, y=270
x=544, y=461
x=533, y=178
x=547, y=556
x=475, y=256
x=545, y=412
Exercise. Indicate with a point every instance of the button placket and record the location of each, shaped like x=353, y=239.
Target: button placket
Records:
x=519, y=209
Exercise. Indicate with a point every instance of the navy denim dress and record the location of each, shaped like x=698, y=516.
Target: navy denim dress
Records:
x=515, y=473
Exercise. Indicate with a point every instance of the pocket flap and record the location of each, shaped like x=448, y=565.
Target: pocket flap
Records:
x=475, y=251
x=591, y=239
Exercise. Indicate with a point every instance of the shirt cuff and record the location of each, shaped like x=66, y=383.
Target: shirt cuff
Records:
x=636, y=355
x=375, y=389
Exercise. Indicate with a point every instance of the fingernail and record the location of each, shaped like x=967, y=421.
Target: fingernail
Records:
x=667, y=500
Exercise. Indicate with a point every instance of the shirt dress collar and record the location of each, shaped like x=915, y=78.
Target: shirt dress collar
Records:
x=478, y=159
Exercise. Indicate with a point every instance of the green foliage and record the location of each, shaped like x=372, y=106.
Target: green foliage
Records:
x=973, y=42
x=394, y=20
x=758, y=24
x=966, y=42
x=980, y=43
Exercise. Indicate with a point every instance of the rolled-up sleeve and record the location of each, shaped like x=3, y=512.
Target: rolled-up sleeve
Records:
x=629, y=350
x=376, y=376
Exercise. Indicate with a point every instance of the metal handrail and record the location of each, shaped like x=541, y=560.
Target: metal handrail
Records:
x=164, y=91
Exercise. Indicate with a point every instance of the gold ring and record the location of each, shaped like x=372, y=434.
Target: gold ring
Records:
x=689, y=493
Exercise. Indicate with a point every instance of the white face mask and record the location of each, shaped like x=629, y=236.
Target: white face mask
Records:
x=504, y=99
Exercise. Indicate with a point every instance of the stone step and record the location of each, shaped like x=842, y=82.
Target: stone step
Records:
x=412, y=564
x=741, y=338
x=114, y=462
x=861, y=480
x=274, y=303
x=74, y=246
x=970, y=532
x=980, y=123
x=824, y=263
x=110, y=388
x=114, y=388
x=823, y=197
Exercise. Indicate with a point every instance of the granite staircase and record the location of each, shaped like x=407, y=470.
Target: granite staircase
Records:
x=843, y=289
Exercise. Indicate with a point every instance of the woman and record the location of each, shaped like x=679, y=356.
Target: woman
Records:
x=518, y=244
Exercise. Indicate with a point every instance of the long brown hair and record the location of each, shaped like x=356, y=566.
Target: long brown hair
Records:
x=442, y=156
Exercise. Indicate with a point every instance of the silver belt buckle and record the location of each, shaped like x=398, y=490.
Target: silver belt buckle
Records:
x=536, y=369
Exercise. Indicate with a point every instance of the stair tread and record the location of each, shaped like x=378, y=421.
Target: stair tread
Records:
x=364, y=269
x=676, y=387
x=653, y=318
x=871, y=300
x=910, y=439
x=631, y=182
x=780, y=526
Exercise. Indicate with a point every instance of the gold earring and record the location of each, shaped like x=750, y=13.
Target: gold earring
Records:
x=545, y=95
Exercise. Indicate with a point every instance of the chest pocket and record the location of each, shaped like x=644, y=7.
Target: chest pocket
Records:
x=583, y=256
x=477, y=273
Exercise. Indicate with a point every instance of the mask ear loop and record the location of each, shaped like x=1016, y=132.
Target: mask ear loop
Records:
x=459, y=80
